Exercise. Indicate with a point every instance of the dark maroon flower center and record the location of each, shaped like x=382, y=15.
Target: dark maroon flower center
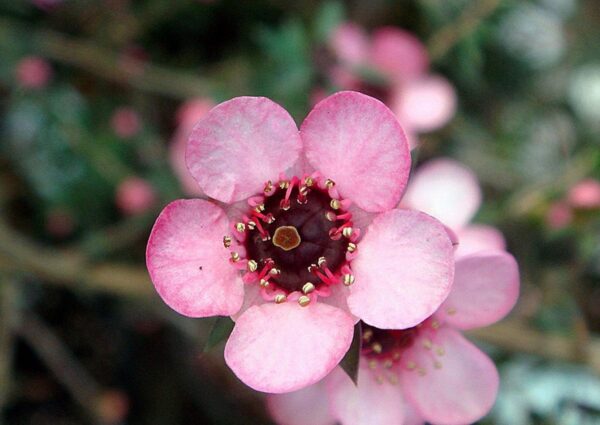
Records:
x=299, y=237
x=386, y=344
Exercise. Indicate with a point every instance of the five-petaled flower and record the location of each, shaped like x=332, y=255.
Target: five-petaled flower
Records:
x=296, y=273
x=429, y=372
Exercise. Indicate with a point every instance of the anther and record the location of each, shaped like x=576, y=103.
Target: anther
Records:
x=388, y=364
x=440, y=351
x=240, y=227
x=235, y=257
x=352, y=248
x=260, y=208
x=284, y=184
x=348, y=279
x=251, y=224
x=335, y=204
x=437, y=364
x=329, y=183
x=226, y=241
x=347, y=232
x=330, y=215
x=252, y=265
x=280, y=298
x=377, y=347
x=372, y=364
x=274, y=272
x=308, y=288
x=321, y=261
x=303, y=300
x=427, y=344
x=309, y=181
x=264, y=283
x=435, y=324
x=411, y=365
x=367, y=335
x=451, y=311
x=268, y=187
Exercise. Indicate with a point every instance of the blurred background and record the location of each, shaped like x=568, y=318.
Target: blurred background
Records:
x=97, y=98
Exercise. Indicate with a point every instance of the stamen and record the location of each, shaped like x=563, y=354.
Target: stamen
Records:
x=240, y=227
x=235, y=257
x=268, y=190
x=348, y=279
x=377, y=347
x=335, y=204
x=304, y=300
x=280, y=298
x=226, y=241
x=252, y=265
x=329, y=183
x=352, y=248
x=308, y=288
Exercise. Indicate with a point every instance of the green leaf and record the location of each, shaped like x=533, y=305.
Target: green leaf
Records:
x=328, y=17
x=219, y=331
x=350, y=361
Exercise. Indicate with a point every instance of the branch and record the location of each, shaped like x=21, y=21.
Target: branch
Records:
x=108, y=65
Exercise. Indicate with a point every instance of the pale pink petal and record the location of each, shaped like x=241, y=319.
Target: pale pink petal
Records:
x=355, y=140
x=361, y=219
x=192, y=111
x=279, y=348
x=177, y=159
x=425, y=104
x=239, y=145
x=403, y=270
x=350, y=44
x=305, y=406
x=447, y=190
x=585, y=194
x=398, y=53
x=187, y=262
x=339, y=299
x=252, y=297
x=485, y=289
x=479, y=237
x=460, y=390
x=368, y=403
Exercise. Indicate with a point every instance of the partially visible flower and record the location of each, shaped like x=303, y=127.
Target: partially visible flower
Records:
x=125, y=122
x=393, y=66
x=450, y=192
x=59, y=223
x=112, y=406
x=429, y=372
x=33, y=72
x=297, y=272
x=187, y=116
x=135, y=196
x=585, y=194
x=559, y=215
x=46, y=5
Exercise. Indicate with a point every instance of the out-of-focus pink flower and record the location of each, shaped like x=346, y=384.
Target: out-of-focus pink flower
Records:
x=60, y=223
x=125, y=122
x=296, y=273
x=585, y=194
x=112, y=406
x=422, y=102
x=46, y=5
x=559, y=215
x=135, y=195
x=187, y=116
x=33, y=72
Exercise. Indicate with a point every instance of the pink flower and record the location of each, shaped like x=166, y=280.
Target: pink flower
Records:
x=188, y=114
x=135, y=196
x=429, y=372
x=125, y=122
x=585, y=194
x=422, y=102
x=287, y=205
x=559, y=215
x=33, y=72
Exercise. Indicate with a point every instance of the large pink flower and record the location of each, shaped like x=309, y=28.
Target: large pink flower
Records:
x=429, y=372
x=422, y=101
x=296, y=274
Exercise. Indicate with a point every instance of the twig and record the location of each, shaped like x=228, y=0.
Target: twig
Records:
x=451, y=34
x=76, y=379
x=108, y=65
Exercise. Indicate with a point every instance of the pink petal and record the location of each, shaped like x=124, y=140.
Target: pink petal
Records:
x=177, y=160
x=356, y=141
x=461, y=391
x=239, y=145
x=339, y=299
x=187, y=262
x=252, y=297
x=279, y=348
x=486, y=288
x=426, y=104
x=585, y=194
x=445, y=189
x=305, y=406
x=369, y=402
x=350, y=44
x=403, y=270
x=479, y=237
x=398, y=53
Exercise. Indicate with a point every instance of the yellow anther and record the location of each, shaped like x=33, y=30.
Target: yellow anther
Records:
x=303, y=300
x=435, y=324
x=411, y=365
x=351, y=247
x=268, y=187
x=388, y=364
x=240, y=227
x=330, y=215
x=421, y=371
x=427, y=344
x=264, y=283
x=348, y=279
x=377, y=347
x=321, y=261
x=437, y=364
x=226, y=241
x=252, y=265
x=309, y=181
x=396, y=355
x=451, y=311
x=308, y=288
x=329, y=183
x=372, y=364
x=335, y=204
x=347, y=232
x=251, y=225
x=260, y=208
x=235, y=257
x=303, y=190
x=284, y=184
x=367, y=335
x=393, y=379
x=274, y=272
x=279, y=298
x=440, y=351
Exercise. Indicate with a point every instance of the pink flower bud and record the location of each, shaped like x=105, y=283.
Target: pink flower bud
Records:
x=134, y=196
x=33, y=72
x=125, y=122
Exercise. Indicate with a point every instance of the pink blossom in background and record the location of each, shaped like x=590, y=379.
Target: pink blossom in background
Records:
x=33, y=72
x=187, y=116
x=585, y=194
x=46, y=5
x=559, y=215
x=135, y=196
x=296, y=272
x=125, y=122
x=429, y=372
x=60, y=223
x=422, y=101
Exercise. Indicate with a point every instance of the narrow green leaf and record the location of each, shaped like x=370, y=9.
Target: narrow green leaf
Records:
x=350, y=361
x=219, y=331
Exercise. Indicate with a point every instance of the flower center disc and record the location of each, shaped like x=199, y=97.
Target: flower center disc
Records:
x=286, y=238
